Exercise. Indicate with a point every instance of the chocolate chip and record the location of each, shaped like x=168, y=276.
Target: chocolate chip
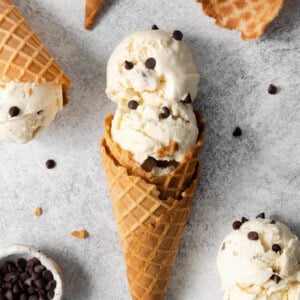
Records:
x=273, y=222
x=14, y=111
x=236, y=225
x=275, y=278
x=177, y=35
x=39, y=268
x=16, y=289
x=261, y=216
x=272, y=89
x=33, y=262
x=253, y=236
x=128, y=65
x=154, y=27
x=35, y=276
x=31, y=290
x=165, y=112
x=48, y=275
x=50, y=294
x=132, y=104
x=33, y=297
x=9, y=295
x=149, y=164
x=51, y=285
x=223, y=246
x=21, y=263
x=24, y=276
x=276, y=248
x=237, y=132
x=187, y=99
x=244, y=220
x=40, y=283
x=39, y=112
x=23, y=297
x=50, y=164
x=150, y=63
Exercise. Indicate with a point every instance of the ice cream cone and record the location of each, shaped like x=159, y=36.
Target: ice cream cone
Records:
x=170, y=185
x=150, y=228
x=23, y=57
x=249, y=17
x=92, y=9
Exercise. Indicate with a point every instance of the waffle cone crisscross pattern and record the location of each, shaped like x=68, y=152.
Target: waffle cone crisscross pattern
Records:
x=23, y=57
x=150, y=228
x=250, y=17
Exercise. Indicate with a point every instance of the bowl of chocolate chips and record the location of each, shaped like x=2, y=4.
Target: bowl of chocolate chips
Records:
x=28, y=274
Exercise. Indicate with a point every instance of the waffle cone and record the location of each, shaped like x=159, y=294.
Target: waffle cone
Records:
x=92, y=9
x=170, y=185
x=150, y=229
x=23, y=57
x=249, y=17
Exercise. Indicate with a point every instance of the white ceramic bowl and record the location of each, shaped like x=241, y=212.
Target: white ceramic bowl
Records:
x=16, y=251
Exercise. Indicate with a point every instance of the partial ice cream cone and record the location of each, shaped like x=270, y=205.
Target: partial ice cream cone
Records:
x=92, y=9
x=150, y=228
x=23, y=57
x=249, y=17
x=170, y=185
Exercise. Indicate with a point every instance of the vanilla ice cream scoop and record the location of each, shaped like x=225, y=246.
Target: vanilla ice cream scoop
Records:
x=153, y=62
x=27, y=108
x=152, y=77
x=260, y=260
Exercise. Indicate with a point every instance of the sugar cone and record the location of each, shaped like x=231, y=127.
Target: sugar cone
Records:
x=249, y=17
x=92, y=9
x=23, y=57
x=170, y=185
x=150, y=229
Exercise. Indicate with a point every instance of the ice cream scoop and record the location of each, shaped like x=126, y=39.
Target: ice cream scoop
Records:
x=260, y=260
x=152, y=77
x=27, y=108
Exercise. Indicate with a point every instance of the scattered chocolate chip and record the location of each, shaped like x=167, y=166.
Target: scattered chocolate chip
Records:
x=187, y=99
x=39, y=112
x=236, y=225
x=237, y=132
x=154, y=27
x=149, y=164
x=50, y=164
x=33, y=297
x=165, y=112
x=50, y=294
x=177, y=35
x=261, y=216
x=23, y=297
x=132, y=104
x=128, y=65
x=276, y=248
x=273, y=222
x=150, y=63
x=272, y=89
x=223, y=246
x=253, y=236
x=275, y=278
x=244, y=220
x=14, y=111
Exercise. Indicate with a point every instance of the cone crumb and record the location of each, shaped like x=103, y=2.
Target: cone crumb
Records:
x=38, y=212
x=81, y=234
x=168, y=150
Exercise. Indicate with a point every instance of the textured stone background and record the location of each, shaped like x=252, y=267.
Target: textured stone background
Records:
x=244, y=176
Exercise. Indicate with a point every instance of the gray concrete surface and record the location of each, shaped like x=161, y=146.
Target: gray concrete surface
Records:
x=241, y=176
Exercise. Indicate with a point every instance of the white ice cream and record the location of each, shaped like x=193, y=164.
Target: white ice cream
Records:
x=142, y=131
x=38, y=104
x=246, y=266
